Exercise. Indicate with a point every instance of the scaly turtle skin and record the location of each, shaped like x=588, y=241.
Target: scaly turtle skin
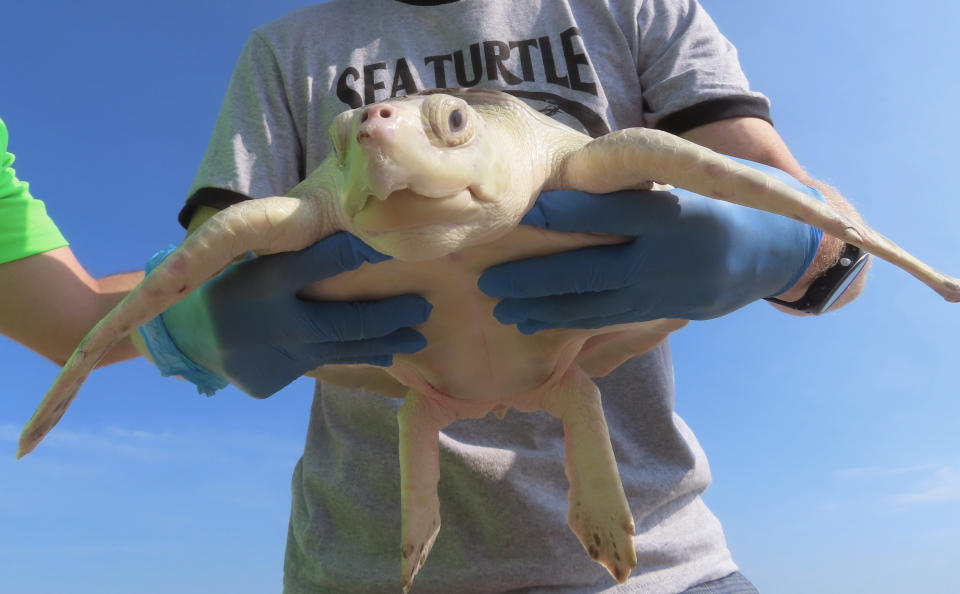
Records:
x=445, y=177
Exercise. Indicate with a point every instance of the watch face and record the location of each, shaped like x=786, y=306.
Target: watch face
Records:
x=844, y=283
x=824, y=291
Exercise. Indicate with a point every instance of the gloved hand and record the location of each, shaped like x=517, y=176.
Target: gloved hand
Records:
x=692, y=258
x=248, y=327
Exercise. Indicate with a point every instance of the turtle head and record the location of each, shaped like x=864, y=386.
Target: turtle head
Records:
x=427, y=174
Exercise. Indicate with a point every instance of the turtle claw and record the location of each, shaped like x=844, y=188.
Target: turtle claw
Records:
x=419, y=532
x=605, y=529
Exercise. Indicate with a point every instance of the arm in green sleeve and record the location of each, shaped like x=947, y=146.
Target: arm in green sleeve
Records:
x=25, y=227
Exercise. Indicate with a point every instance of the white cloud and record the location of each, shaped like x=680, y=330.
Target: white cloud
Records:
x=911, y=485
x=94, y=549
x=943, y=486
x=158, y=446
x=9, y=432
x=880, y=472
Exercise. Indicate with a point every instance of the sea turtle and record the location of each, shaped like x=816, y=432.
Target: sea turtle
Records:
x=445, y=176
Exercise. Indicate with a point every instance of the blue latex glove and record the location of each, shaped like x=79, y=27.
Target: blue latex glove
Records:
x=248, y=327
x=692, y=258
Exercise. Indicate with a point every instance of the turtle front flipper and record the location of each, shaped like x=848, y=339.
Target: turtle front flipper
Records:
x=420, y=421
x=267, y=225
x=598, y=511
x=633, y=157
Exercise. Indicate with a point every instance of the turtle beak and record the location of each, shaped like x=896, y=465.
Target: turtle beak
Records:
x=378, y=125
x=378, y=134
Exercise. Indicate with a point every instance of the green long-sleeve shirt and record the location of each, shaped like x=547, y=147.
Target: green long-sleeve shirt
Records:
x=25, y=227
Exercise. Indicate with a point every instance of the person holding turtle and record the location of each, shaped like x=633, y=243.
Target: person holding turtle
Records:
x=599, y=67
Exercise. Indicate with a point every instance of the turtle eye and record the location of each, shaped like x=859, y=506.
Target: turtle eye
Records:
x=450, y=119
x=456, y=121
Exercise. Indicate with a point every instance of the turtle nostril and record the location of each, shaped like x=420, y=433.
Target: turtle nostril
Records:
x=376, y=112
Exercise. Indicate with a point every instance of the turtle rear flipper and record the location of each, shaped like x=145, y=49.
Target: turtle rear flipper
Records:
x=598, y=511
x=420, y=421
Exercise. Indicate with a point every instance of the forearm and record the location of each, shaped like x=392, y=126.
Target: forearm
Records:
x=756, y=140
x=109, y=292
x=828, y=254
x=50, y=302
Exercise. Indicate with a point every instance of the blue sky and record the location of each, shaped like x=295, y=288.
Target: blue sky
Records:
x=833, y=441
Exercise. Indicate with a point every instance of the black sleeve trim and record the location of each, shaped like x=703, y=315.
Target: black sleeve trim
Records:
x=214, y=197
x=712, y=110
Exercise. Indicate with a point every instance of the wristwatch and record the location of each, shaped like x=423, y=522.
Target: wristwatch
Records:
x=824, y=291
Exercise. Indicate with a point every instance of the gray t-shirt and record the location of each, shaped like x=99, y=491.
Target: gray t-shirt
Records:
x=595, y=65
